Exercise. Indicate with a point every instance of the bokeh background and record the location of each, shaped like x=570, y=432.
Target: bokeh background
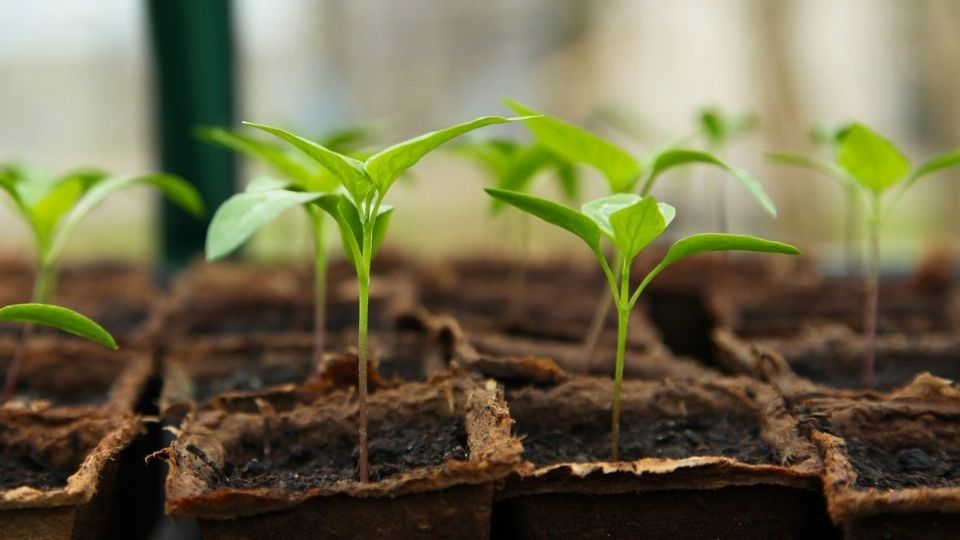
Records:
x=77, y=87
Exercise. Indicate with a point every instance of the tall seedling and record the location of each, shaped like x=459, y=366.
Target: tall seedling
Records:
x=52, y=208
x=513, y=166
x=260, y=203
x=868, y=166
x=624, y=173
x=360, y=214
x=630, y=222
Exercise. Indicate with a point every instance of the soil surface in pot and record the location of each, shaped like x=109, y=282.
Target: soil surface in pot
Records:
x=571, y=423
x=836, y=361
x=397, y=445
x=909, y=466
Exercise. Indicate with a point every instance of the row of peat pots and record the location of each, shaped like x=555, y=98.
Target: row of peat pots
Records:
x=742, y=412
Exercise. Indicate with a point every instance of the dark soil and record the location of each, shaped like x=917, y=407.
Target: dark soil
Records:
x=29, y=469
x=839, y=365
x=396, y=446
x=553, y=434
x=907, y=466
x=72, y=374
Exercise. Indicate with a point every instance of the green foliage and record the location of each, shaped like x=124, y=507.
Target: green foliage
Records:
x=621, y=170
x=59, y=318
x=514, y=165
x=53, y=206
x=720, y=128
x=868, y=165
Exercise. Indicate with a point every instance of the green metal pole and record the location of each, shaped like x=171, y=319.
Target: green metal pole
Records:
x=193, y=78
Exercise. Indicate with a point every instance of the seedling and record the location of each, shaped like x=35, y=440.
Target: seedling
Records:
x=868, y=166
x=831, y=138
x=52, y=208
x=54, y=317
x=623, y=172
x=629, y=222
x=299, y=173
x=513, y=166
x=359, y=211
x=720, y=130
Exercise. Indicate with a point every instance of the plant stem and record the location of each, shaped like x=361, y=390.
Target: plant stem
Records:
x=872, y=302
x=363, y=279
x=852, y=262
x=43, y=289
x=319, y=289
x=623, y=323
x=599, y=321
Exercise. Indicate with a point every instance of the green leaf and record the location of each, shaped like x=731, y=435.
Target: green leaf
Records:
x=349, y=171
x=60, y=318
x=635, y=226
x=707, y=242
x=273, y=155
x=721, y=129
x=351, y=228
x=385, y=166
x=815, y=164
x=245, y=213
x=670, y=158
x=381, y=225
x=936, y=164
x=525, y=163
x=577, y=145
x=569, y=180
x=600, y=210
x=177, y=190
x=871, y=159
x=551, y=212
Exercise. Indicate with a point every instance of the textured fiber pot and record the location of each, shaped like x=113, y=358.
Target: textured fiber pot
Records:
x=77, y=374
x=413, y=348
x=226, y=301
x=720, y=459
x=436, y=449
x=891, y=467
x=821, y=360
x=58, y=471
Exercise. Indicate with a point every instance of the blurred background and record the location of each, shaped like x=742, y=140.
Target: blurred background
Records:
x=83, y=82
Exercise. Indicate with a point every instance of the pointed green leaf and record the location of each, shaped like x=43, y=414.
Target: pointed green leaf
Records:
x=670, y=158
x=245, y=213
x=525, y=163
x=60, y=318
x=349, y=171
x=707, y=242
x=569, y=180
x=871, y=159
x=351, y=216
x=815, y=164
x=936, y=164
x=600, y=210
x=385, y=166
x=577, y=145
x=551, y=212
x=635, y=226
x=273, y=155
x=381, y=225
x=177, y=190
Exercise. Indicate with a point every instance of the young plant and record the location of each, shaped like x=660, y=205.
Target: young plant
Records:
x=513, y=166
x=623, y=172
x=299, y=173
x=630, y=222
x=53, y=206
x=869, y=166
x=831, y=138
x=719, y=131
x=358, y=210
x=54, y=317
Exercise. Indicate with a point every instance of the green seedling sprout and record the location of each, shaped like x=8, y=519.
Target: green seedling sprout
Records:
x=298, y=173
x=358, y=209
x=53, y=206
x=869, y=166
x=624, y=173
x=630, y=222
x=513, y=166
x=719, y=131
